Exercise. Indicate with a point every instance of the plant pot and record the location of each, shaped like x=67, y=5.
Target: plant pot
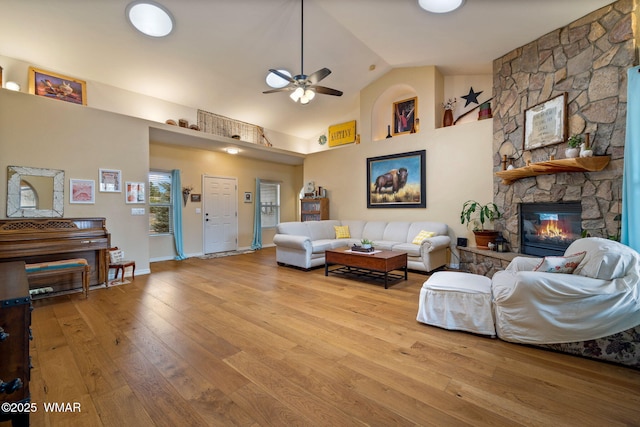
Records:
x=571, y=153
x=484, y=237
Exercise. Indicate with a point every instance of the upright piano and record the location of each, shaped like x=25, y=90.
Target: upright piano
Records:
x=52, y=239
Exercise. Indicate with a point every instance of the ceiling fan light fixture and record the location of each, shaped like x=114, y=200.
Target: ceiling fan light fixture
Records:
x=275, y=81
x=297, y=94
x=440, y=6
x=309, y=94
x=150, y=18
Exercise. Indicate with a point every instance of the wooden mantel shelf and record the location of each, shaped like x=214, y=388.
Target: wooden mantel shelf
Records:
x=580, y=164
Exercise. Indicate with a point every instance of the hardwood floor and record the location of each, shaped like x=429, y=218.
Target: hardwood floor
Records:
x=241, y=341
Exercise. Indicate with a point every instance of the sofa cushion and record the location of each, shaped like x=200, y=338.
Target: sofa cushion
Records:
x=384, y=245
x=604, y=259
x=342, y=231
x=396, y=231
x=421, y=236
x=560, y=264
x=320, y=246
x=295, y=228
x=374, y=230
x=411, y=249
x=322, y=229
x=355, y=227
x=439, y=228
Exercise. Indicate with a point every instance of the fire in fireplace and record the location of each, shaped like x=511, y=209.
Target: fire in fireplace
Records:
x=549, y=228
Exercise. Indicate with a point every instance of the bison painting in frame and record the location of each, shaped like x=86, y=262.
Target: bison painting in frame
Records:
x=397, y=181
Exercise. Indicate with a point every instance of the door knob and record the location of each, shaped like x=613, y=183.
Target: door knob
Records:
x=3, y=335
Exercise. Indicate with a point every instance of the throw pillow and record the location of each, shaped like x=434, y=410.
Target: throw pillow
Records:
x=560, y=264
x=421, y=236
x=116, y=256
x=342, y=231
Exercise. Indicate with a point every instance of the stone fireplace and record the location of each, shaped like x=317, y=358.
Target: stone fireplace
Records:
x=549, y=228
x=588, y=60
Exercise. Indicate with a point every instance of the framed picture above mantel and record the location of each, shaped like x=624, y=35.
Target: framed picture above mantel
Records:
x=546, y=123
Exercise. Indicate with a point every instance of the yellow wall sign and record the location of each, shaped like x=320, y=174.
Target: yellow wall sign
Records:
x=344, y=133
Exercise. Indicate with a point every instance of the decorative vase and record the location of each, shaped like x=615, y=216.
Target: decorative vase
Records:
x=571, y=153
x=484, y=237
x=447, y=120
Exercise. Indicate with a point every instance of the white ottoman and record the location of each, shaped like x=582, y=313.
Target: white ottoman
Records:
x=459, y=301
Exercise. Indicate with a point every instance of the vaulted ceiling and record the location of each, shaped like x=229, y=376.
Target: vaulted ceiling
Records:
x=219, y=54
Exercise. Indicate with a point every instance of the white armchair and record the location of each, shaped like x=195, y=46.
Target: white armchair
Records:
x=599, y=299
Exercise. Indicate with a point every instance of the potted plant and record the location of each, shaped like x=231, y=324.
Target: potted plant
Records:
x=366, y=243
x=573, y=144
x=478, y=214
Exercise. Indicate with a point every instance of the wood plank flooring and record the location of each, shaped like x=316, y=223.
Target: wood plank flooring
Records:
x=241, y=341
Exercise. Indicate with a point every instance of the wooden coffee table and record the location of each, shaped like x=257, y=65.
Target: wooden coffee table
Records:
x=375, y=265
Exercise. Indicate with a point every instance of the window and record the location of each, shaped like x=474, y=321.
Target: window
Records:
x=160, y=203
x=269, y=204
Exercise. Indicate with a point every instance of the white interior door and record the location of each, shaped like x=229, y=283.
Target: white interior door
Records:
x=220, y=216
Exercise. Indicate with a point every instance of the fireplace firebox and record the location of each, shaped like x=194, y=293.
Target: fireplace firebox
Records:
x=549, y=228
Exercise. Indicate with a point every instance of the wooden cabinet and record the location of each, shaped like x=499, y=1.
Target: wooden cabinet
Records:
x=15, y=321
x=314, y=209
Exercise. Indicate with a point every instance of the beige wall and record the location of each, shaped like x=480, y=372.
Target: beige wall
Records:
x=193, y=164
x=459, y=158
x=45, y=133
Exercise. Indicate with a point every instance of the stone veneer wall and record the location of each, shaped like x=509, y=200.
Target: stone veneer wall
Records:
x=588, y=59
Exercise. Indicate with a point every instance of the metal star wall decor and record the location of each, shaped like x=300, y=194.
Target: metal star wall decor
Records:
x=471, y=97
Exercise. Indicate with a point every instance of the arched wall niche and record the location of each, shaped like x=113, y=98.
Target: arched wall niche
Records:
x=382, y=112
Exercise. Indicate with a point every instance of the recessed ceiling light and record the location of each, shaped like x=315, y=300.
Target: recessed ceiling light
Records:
x=275, y=81
x=232, y=150
x=150, y=18
x=440, y=6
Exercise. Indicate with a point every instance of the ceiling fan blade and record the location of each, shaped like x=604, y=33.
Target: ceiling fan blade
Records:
x=318, y=75
x=282, y=76
x=282, y=89
x=327, y=90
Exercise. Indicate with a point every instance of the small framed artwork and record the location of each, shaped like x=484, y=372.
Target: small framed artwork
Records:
x=397, y=181
x=404, y=115
x=110, y=181
x=196, y=198
x=248, y=197
x=134, y=192
x=56, y=86
x=82, y=191
x=546, y=123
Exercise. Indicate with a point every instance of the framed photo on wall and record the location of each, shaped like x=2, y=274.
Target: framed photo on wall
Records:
x=110, y=181
x=397, y=181
x=134, y=192
x=82, y=191
x=56, y=86
x=546, y=123
x=404, y=115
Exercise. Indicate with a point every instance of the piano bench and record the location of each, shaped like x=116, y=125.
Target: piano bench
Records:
x=54, y=268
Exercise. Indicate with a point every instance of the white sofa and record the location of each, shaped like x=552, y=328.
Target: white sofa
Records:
x=302, y=244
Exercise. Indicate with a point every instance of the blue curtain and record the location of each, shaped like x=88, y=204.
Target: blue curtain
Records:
x=176, y=196
x=257, y=220
x=631, y=177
